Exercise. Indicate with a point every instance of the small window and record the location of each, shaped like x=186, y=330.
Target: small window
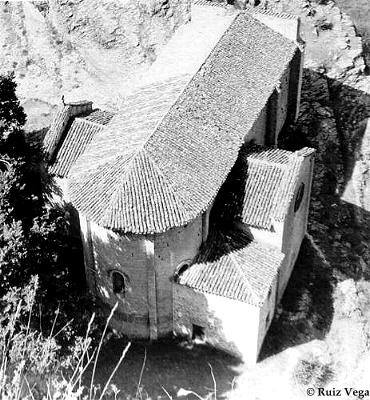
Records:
x=181, y=269
x=299, y=197
x=198, y=332
x=267, y=319
x=118, y=282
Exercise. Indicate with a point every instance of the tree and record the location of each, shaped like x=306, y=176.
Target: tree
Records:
x=12, y=115
x=35, y=236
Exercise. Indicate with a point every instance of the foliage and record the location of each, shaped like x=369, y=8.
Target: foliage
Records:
x=12, y=253
x=12, y=116
x=35, y=235
x=32, y=365
x=313, y=372
x=321, y=24
x=36, y=239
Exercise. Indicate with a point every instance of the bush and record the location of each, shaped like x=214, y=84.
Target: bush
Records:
x=321, y=24
x=35, y=236
x=32, y=365
x=313, y=373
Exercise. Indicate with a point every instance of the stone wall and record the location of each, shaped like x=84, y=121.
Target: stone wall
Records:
x=172, y=248
x=235, y=332
x=272, y=238
x=296, y=224
x=267, y=311
x=258, y=132
x=132, y=255
x=285, y=24
x=282, y=100
x=149, y=263
x=295, y=84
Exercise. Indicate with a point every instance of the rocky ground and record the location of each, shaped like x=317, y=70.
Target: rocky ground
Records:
x=93, y=49
x=320, y=336
x=321, y=333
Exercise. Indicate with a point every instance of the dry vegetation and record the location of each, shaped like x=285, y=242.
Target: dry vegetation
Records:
x=32, y=363
x=320, y=334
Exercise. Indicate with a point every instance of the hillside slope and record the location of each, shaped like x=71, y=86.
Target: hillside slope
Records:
x=92, y=49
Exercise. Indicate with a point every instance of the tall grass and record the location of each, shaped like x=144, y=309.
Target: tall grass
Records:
x=33, y=365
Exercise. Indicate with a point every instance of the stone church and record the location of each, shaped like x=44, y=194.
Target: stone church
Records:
x=191, y=218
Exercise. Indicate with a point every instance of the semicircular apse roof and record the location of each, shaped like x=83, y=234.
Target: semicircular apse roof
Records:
x=160, y=162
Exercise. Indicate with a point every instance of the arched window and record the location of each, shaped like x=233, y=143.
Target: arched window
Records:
x=119, y=282
x=181, y=269
x=299, y=197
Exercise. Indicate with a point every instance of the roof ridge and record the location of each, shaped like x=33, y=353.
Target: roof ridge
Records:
x=88, y=121
x=119, y=181
x=207, y=3
x=267, y=162
x=167, y=179
x=129, y=169
x=195, y=74
x=245, y=281
x=259, y=10
x=146, y=140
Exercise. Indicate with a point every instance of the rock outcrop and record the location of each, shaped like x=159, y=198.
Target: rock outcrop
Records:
x=93, y=49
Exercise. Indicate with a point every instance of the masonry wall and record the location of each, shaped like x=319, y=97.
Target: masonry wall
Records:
x=282, y=104
x=173, y=248
x=258, y=132
x=132, y=255
x=284, y=24
x=267, y=312
x=282, y=100
x=296, y=224
x=229, y=325
x=272, y=238
x=295, y=84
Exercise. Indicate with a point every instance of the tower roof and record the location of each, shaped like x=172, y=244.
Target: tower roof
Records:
x=260, y=188
x=230, y=264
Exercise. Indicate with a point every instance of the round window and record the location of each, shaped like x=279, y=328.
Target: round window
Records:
x=299, y=197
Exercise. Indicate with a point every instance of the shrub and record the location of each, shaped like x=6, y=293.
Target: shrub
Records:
x=321, y=24
x=12, y=116
x=313, y=372
x=32, y=365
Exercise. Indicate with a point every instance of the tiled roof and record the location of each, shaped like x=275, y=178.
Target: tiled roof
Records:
x=74, y=144
x=183, y=132
x=260, y=10
x=233, y=266
x=53, y=134
x=100, y=117
x=208, y=3
x=261, y=186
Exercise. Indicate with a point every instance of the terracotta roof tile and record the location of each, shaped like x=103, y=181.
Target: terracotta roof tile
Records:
x=59, y=123
x=189, y=131
x=261, y=186
x=79, y=135
x=100, y=117
x=231, y=265
x=208, y=3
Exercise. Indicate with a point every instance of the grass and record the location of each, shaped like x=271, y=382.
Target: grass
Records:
x=32, y=365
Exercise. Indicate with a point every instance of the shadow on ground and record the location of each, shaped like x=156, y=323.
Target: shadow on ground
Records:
x=336, y=248
x=333, y=120
x=169, y=366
